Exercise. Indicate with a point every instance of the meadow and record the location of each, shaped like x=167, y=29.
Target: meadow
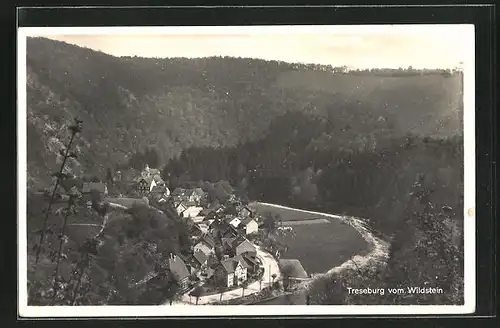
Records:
x=320, y=246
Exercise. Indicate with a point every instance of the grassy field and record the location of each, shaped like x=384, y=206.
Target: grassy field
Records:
x=322, y=246
x=318, y=246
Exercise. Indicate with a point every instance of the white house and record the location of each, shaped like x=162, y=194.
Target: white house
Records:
x=203, y=227
x=235, y=222
x=233, y=271
x=249, y=225
x=198, y=219
x=191, y=211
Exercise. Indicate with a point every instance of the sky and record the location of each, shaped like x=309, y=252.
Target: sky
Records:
x=426, y=46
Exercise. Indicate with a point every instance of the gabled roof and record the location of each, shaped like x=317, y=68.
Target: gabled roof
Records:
x=247, y=220
x=246, y=245
x=181, y=204
x=235, y=222
x=230, y=264
x=245, y=208
x=89, y=186
x=159, y=189
x=200, y=257
x=228, y=241
x=178, y=268
x=250, y=259
x=207, y=240
x=206, y=211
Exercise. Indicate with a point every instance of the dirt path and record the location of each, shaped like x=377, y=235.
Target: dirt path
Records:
x=303, y=222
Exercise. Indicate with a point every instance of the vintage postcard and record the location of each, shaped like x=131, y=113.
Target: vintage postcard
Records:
x=183, y=171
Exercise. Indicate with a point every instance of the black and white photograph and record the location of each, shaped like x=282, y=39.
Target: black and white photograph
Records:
x=181, y=171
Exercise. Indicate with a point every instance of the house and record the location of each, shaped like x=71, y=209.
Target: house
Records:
x=146, y=185
x=203, y=227
x=100, y=187
x=252, y=262
x=245, y=212
x=208, y=213
x=219, y=209
x=198, y=219
x=195, y=196
x=235, y=222
x=179, y=270
x=160, y=192
x=245, y=247
x=149, y=172
x=232, y=271
x=149, y=179
x=206, y=244
x=191, y=211
x=201, y=259
x=179, y=208
x=249, y=225
x=222, y=229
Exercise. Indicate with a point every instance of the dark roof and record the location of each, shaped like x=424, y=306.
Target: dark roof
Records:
x=245, y=208
x=178, y=192
x=89, y=186
x=177, y=204
x=159, y=189
x=208, y=240
x=206, y=211
x=250, y=259
x=246, y=246
x=212, y=261
x=200, y=257
x=178, y=268
x=228, y=241
x=230, y=265
x=295, y=267
x=247, y=220
x=220, y=225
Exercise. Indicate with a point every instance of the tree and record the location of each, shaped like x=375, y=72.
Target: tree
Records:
x=197, y=292
x=109, y=175
x=326, y=291
x=75, y=128
x=269, y=223
x=63, y=239
x=243, y=285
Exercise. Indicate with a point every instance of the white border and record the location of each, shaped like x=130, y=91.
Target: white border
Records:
x=252, y=310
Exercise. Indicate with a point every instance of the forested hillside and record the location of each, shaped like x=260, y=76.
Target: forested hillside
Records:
x=131, y=104
x=383, y=145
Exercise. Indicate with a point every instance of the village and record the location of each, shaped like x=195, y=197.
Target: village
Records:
x=224, y=263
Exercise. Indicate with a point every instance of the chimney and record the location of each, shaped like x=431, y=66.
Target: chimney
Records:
x=225, y=257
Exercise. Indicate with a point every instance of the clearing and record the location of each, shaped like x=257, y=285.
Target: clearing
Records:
x=319, y=246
